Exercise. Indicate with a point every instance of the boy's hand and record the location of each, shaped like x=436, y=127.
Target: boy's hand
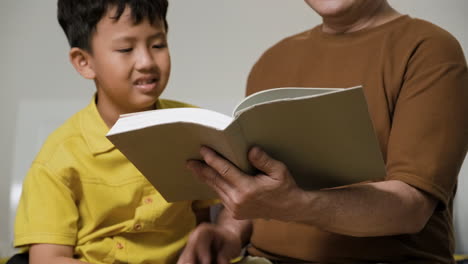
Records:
x=269, y=194
x=211, y=244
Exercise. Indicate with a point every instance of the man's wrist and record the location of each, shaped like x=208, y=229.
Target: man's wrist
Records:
x=299, y=207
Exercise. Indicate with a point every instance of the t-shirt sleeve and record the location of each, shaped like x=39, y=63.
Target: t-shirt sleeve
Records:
x=264, y=74
x=429, y=135
x=47, y=212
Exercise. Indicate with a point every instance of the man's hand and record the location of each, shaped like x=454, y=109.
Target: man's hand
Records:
x=383, y=208
x=269, y=194
x=211, y=243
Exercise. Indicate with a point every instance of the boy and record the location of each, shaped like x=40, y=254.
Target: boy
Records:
x=82, y=200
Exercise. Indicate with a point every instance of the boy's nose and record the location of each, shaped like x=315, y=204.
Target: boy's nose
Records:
x=144, y=61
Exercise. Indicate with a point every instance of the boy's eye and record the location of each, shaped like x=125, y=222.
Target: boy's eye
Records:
x=124, y=50
x=160, y=46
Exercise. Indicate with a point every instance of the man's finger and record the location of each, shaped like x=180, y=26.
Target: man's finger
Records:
x=209, y=176
x=262, y=161
x=228, y=171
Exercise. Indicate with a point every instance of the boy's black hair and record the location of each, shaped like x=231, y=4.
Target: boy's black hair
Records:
x=78, y=18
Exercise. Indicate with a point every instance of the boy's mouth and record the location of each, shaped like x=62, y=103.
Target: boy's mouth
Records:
x=145, y=81
x=146, y=84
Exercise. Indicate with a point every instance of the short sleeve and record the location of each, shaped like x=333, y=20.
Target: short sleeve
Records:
x=47, y=212
x=429, y=135
x=264, y=74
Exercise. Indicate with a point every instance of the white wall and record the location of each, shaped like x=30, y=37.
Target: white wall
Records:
x=213, y=44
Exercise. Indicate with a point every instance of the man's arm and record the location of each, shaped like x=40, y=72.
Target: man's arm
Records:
x=52, y=254
x=363, y=210
x=369, y=209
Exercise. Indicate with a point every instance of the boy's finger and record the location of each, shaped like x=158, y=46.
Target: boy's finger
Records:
x=222, y=259
x=203, y=252
x=188, y=255
x=226, y=255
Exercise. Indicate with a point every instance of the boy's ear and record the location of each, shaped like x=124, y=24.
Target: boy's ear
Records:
x=82, y=62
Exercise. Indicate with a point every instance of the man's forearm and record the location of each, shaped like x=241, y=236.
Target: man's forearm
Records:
x=372, y=209
x=242, y=228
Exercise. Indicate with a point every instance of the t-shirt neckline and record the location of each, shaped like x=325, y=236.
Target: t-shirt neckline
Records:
x=318, y=30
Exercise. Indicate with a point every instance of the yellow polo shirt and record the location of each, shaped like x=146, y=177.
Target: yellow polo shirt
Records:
x=81, y=191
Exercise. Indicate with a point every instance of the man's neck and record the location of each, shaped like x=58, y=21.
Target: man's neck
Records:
x=381, y=14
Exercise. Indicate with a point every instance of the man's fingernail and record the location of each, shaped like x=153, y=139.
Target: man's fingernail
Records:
x=203, y=151
x=256, y=152
x=191, y=164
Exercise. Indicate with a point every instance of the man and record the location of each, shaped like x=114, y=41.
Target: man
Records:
x=415, y=81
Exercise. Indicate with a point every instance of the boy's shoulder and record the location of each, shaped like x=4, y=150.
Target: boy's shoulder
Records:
x=85, y=129
x=64, y=137
x=166, y=103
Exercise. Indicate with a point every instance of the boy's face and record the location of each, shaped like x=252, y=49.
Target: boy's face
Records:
x=131, y=63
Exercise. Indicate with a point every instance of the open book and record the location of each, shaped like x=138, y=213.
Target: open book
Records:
x=324, y=136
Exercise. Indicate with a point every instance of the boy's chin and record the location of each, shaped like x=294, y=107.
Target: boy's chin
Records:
x=146, y=107
x=148, y=102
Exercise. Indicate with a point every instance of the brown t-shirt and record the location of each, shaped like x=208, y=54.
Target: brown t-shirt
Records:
x=415, y=81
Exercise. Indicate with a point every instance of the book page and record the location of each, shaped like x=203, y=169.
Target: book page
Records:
x=204, y=117
x=276, y=94
x=325, y=141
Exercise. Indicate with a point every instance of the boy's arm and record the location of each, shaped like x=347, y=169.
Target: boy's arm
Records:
x=51, y=254
x=217, y=243
x=241, y=229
